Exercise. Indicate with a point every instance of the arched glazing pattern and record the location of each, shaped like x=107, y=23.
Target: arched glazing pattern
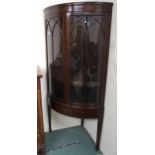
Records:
x=55, y=57
x=86, y=48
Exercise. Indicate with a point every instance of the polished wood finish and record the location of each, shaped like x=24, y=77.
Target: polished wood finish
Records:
x=76, y=111
x=78, y=7
x=66, y=97
x=40, y=127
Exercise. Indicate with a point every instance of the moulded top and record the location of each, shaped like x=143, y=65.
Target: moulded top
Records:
x=79, y=3
x=78, y=7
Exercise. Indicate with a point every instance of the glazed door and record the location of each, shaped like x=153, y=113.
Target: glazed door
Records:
x=85, y=56
x=55, y=57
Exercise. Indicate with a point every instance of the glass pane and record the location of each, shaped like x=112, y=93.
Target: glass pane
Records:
x=85, y=52
x=55, y=57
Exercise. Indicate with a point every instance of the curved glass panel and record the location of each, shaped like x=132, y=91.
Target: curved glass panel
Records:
x=86, y=48
x=55, y=57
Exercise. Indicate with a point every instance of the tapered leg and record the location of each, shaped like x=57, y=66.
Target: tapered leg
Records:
x=49, y=118
x=99, y=130
x=49, y=113
x=82, y=122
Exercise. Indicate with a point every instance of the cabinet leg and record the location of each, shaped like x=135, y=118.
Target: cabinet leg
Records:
x=82, y=122
x=49, y=118
x=99, y=131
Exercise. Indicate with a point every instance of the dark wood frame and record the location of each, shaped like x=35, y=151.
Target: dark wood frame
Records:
x=81, y=111
x=40, y=124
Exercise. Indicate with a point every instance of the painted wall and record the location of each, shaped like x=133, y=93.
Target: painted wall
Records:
x=109, y=132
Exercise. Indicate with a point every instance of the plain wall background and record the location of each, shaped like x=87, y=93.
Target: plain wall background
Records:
x=109, y=132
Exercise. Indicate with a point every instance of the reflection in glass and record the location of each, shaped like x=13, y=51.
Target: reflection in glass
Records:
x=55, y=57
x=85, y=54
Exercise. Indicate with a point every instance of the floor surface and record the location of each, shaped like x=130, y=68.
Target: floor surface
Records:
x=70, y=141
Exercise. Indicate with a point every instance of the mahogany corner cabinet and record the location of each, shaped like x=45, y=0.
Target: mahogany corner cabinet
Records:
x=77, y=48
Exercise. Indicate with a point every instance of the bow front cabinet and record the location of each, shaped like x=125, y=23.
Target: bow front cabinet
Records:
x=77, y=48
